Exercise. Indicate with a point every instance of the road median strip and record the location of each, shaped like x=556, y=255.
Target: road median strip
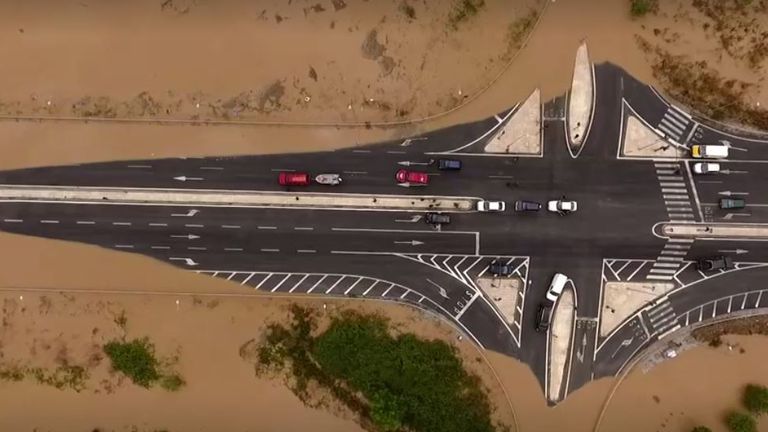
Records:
x=230, y=198
x=715, y=230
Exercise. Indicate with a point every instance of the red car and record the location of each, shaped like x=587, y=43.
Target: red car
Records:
x=293, y=179
x=415, y=177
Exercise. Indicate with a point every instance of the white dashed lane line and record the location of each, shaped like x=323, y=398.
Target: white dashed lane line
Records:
x=267, y=228
x=303, y=228
x=194, y=225
x=233, y=249
x=160, y=247
x=13, y=220
x=46, y=221
x=156, y=224
x=121, y=223
x=306, y=251
x=197, y=248
x=231, y=226
x=85, y=223
x=120, y=246
x=270, y=250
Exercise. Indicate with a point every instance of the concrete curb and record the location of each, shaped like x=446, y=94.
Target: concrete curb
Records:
x=715, y=230
x=225, y=198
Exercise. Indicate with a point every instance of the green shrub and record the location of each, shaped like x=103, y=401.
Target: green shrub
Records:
x=640, y=8
x=741, y=422
x=756, y=399
x=172, y=382
x=701, y=429
x=136, y=359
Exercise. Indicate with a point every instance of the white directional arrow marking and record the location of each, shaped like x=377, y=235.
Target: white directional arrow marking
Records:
x=729, y=193
x=441, y=290
x=580, y=353
x=414, y=218
x=190, y=213
x=730, y=216
x=736, y=251
x=730, y=171
x=187, y=236
x=187, y=261
x=185, y=178
x=624, y=343
x=409, y=163
x=408, y=141
x=410, y=242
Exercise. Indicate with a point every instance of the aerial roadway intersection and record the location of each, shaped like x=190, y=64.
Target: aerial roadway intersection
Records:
x=642, y=220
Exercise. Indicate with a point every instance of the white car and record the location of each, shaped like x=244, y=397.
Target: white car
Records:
x=562, y=206
x=556, y=286
x=706, y=167
x=491, y=206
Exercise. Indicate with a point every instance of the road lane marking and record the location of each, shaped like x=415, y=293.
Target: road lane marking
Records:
x=160, y=247
x=316, y=284
x=270, y=250
x=352, y=286
x=282, y=170
x=212, y=168
x=306, y=251
x=122, y=246
x=672, y=184
x=370, y=287
x=263, y=280
x=267, y=228
x=501, y=176
x=395, y=152
x=231, y=226
x=158, y=224
x=355, y=172
x=695, y=191
x=140, y=166
x=674, y=190
x=194, y=225
x=281, y=282
x=642, y=264
x=334, y=285
x=121, y=223
x=298, y=283
x=14, y=220
x=303, y=228
x=233, y=249
x=49, y=221
x=384, y=294
x=197, y=248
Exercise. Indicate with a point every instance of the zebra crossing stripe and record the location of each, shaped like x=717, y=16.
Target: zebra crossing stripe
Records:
x=665, y=165
x=672, y=258
x=659, y=277
x=664, y=271
x=670, y=265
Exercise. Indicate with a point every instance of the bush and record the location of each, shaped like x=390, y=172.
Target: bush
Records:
x=701, y=429
x=740, y=422
x=136, y=359
x=640, y=8
x=756, y=399
x=172, y=382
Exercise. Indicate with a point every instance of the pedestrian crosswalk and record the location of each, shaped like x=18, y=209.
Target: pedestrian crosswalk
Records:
x=674, y=124
x=669, y=261
x=662, y=317
x=674, y=191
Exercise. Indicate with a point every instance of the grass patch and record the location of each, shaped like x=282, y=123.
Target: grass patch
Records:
x=519, y=29
x=641, y=8
x=463, y=10
x=741, y=422
x=756, y=399
x=63, y=377
x=407, y=10
x=393, y=382
x=136, y=359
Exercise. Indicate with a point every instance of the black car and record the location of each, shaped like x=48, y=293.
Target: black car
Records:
x=543, y=317
x=433, y=218
x=714, y=263
x=527, y=206
x=500, y=268
x=732, y=203
x=448, y=164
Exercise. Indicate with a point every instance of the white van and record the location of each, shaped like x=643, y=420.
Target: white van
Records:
x=709, y=151
x=556, y=286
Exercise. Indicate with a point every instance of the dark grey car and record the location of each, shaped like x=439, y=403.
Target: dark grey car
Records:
x=500, y=268
x=448, y=164
x=543, y=317
x=433, y=218
x=732, y=203
x=527, y=206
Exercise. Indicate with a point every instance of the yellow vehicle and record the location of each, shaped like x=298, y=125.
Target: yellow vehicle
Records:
x=701, y=151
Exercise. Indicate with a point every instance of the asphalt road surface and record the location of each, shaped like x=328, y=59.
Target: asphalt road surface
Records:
x=396, y=256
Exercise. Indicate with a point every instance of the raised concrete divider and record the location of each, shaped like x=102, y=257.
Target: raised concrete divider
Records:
x=232, y=198
x=522, y=133
x=580, y=98
x=560, y=340
x=715, y=230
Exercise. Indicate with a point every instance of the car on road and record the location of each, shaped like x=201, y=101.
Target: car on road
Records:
x=706, y=167
x=412, y=177
x=556, y=286
x=527, y=206
x=448, y=164
x=543, y=317
x=293, y=179
x=714, y=263
x=732, y=203
x=328, y=179
x=500, y=268
x=433, y=218
x=562, y=206
x=709, y=151
x=491, y=206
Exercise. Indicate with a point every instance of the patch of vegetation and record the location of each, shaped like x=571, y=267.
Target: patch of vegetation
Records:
x=703, y=88
x=712, y=334
x=407, y=10
x=463, y=10
x=121, y=320
x=701, y=429
x=756, y=399
x=641, y=8
x=136, y=359
x=66, y=376
x=737, y=27
x=519, y=29
x=741, y=422
x=393, y=382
